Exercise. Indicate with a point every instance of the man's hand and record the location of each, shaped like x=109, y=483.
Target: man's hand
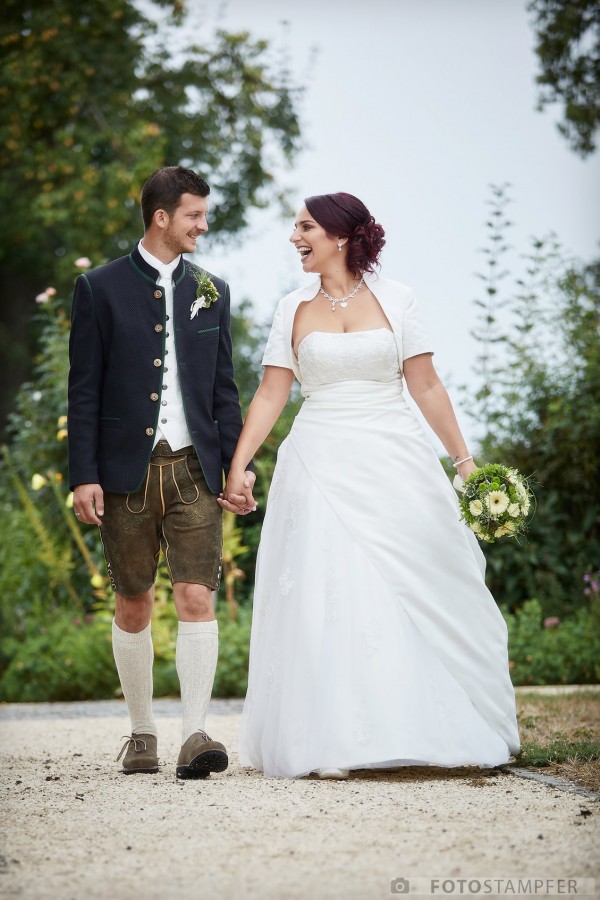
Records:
x=88, y=503
x=237, y=496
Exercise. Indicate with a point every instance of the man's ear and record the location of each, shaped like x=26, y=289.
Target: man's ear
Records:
x=160, y=219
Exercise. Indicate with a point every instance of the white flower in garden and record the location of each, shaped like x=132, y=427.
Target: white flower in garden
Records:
x=514, y=510
x=51, y=291
x=36, y=396
x=38, y=482
x=83, y=262
x=476, y=507
x=497, y=502
x=42, y=298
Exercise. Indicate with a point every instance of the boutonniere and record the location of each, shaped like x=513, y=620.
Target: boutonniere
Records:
x=206, y=292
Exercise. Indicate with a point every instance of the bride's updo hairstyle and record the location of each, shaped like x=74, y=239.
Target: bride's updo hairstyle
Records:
x=347, y=216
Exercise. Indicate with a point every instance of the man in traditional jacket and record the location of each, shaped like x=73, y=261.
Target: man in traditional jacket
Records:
x=154, y=417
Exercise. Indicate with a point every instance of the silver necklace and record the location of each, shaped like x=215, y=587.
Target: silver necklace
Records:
x=343, y=301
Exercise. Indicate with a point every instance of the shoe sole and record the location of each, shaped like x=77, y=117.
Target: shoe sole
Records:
x=148, y=771
x=202, y=765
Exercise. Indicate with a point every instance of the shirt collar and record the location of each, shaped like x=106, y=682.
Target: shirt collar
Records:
x=164, y=269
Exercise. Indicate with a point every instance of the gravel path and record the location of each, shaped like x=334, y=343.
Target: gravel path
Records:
x=73, y=827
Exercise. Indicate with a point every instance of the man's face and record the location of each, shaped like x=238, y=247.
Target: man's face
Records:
x=186, y=224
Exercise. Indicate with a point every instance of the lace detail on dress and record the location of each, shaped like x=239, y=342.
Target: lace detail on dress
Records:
x=372, y=633
x=285, y=581
x=265, y=605
x=279, y=479
x=330, y=598
x=290, y=523
x=363, y=726
x=272, y=673
x=326, y=357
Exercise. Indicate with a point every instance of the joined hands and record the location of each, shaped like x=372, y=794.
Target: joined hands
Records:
x=237, y=496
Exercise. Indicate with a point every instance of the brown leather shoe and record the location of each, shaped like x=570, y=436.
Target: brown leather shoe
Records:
x=141, y=753
x=200, y=756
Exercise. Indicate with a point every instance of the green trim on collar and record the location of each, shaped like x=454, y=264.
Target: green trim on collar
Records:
x=142, y=273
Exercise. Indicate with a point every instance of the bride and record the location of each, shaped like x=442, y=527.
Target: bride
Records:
x=375, y=642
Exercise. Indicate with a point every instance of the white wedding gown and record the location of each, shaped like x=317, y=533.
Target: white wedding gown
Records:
x=375, y=642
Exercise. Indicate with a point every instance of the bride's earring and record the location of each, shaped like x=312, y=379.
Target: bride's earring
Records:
x=340, y=245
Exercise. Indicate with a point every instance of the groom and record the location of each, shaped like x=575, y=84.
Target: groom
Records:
x=154, y=417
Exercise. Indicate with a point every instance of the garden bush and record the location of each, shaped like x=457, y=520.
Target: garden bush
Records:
x=554, y=651
x=60, y=657
x=65, y=656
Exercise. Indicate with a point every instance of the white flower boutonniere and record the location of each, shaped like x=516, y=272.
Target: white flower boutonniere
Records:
x=206, y=292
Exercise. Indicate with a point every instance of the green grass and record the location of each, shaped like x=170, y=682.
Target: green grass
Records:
x=558, y=751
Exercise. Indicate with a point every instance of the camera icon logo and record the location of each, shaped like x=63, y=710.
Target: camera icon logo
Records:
x=400, y=886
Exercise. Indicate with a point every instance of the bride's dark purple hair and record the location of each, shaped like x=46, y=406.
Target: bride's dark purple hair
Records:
x=347, y=216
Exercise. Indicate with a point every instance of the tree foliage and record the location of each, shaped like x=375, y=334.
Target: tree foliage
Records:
x=89, y=111
x=90, y=106
x=568, y=48
x=539, y=407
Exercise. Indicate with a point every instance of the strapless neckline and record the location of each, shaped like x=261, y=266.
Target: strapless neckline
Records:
x=364, y=331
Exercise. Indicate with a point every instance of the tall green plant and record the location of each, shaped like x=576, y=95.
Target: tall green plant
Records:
x=542, y=415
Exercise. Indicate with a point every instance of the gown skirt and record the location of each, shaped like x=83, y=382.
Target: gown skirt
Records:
x=375, y=641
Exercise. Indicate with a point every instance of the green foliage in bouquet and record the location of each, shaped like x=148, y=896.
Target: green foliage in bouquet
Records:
x=495, y=502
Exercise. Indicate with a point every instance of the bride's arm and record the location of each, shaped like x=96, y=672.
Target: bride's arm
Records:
x=266, y=407
x=431, y=397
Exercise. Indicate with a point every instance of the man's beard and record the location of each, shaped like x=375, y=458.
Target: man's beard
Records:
x=172, y=242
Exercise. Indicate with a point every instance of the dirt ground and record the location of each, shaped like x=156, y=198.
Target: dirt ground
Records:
x=74, y=827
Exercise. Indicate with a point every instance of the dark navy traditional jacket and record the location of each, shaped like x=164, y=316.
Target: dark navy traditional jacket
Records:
x=117, y=355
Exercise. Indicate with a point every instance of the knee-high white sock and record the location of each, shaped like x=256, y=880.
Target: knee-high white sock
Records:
x=134, y=656
x=196, y=660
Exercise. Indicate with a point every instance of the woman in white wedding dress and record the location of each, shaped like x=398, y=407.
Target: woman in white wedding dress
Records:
x=375, y=642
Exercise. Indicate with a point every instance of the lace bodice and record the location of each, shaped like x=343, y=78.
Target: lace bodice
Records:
x=328, y=357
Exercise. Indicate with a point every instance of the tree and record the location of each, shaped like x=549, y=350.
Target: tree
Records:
x=568, y=47
x=541, y=414
x=88, y=109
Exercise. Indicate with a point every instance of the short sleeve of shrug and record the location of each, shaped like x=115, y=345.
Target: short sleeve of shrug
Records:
x=414, y=337
x=276, y=353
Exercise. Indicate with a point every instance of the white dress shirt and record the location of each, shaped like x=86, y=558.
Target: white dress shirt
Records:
x=172, y=426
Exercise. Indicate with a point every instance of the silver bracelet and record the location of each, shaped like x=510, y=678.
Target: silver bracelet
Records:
x=459, y=462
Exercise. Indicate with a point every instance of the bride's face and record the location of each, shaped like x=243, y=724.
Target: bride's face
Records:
x=317, y=249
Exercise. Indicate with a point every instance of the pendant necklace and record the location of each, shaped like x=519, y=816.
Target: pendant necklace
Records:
x=343, y=301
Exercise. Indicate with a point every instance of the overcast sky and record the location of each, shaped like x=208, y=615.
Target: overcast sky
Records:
x=415, y=106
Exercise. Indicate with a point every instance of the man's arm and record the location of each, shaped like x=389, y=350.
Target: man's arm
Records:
x=85, y=391
x=226, y=400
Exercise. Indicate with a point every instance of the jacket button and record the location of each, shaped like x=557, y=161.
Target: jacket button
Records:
x=158, y=294
x=157, y=363
x=149, y=431
x=158, y=328
x=154, y=396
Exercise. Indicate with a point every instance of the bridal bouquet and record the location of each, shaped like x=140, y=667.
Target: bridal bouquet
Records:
x=494, y=502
